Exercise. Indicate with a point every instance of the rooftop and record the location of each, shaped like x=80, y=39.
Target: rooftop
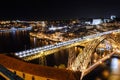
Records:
x=43, y=71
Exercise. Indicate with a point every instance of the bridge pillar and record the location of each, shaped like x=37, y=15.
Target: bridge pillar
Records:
x=71, y=56
x=73, y=52
x=42, y=60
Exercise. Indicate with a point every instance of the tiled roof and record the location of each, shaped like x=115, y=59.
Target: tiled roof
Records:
x=43, y=71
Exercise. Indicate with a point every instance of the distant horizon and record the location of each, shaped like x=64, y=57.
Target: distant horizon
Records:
x=41, y=19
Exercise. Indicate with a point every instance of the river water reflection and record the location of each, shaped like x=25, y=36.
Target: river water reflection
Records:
x=115, y=69
x=109, y=70
x=14, y=41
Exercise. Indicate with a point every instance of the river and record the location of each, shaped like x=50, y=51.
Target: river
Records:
x=109, y=70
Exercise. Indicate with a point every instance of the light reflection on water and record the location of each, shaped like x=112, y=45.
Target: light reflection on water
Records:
x=115, y=65
x=110, y=70
x=115, y=69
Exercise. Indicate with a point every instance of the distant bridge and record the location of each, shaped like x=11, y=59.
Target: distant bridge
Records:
x=16, y=29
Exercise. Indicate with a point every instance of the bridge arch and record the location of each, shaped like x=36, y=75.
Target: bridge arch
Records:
x=83, y=59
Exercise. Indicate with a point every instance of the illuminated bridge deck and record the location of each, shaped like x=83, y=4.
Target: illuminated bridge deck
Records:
x=47, y=50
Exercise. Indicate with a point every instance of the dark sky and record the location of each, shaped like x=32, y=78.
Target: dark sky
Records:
x=57, y=9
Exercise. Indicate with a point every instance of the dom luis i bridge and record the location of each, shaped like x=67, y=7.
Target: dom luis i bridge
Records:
x=88, y=58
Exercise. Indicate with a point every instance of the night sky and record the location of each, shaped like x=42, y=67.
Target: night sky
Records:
x=57, y=9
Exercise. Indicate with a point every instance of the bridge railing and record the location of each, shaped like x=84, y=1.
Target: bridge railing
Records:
x=60, y=44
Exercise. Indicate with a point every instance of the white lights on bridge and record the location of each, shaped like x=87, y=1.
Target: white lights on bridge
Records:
x=61, y=44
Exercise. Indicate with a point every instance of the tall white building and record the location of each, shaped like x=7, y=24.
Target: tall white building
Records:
x=97, y=21
x=112, y=17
